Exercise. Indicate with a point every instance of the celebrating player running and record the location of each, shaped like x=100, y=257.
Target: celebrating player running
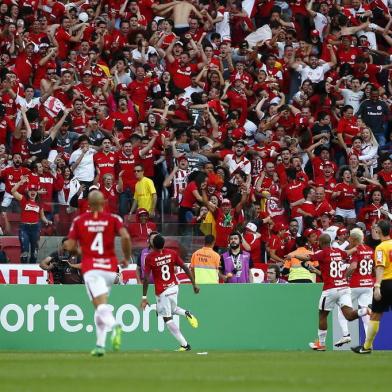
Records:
x=161, y=263
x=95, y=233
x=335, y=290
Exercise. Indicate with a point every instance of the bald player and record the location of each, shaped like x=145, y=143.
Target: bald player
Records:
x=93, y=233
x=336, y=290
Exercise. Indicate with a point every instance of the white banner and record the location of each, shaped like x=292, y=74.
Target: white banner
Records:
x=22, y=274
x=33, y=274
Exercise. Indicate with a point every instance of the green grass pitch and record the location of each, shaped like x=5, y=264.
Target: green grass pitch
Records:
x=177, y=372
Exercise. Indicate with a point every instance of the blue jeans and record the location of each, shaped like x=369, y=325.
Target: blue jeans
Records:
x=28, y=238
x=380, y=137
x=126, y=198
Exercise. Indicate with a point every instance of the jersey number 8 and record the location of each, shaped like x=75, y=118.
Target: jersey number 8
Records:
x=165, y=272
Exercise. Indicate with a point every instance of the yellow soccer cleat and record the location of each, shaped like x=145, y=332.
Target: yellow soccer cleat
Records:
x=192, y=320
x=184, y=348
x=98, y=352
x=116, y=338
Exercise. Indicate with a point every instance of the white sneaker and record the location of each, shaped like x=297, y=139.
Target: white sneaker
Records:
x=343, y=340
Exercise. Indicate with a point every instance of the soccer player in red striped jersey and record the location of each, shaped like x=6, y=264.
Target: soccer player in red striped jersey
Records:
x=94, y=232
x=162, y=263
x=336, y=290
x=361, y=280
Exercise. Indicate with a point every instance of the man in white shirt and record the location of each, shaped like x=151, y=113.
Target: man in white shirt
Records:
x=82, y=162
x=320, y=18
x=314, y=71
x=237, y=161
x=352, y=96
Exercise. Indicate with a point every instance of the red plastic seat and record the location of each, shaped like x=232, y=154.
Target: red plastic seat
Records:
x=11, y=246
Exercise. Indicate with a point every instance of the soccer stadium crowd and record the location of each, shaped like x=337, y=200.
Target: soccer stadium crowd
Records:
x=270, y=118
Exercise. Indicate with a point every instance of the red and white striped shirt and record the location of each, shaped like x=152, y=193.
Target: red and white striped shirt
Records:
x=180, y=182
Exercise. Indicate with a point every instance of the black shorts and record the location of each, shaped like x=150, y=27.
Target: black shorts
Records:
x=385, y=304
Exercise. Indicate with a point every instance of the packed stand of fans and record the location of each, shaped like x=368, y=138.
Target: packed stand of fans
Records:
x=270, y=118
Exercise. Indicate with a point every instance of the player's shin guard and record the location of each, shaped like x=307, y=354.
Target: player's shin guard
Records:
x=371, y=334
x=322, y=336
x=101, y=330
x=342, y=323
x=106, y=315
x=365, y=320
x=175, y=331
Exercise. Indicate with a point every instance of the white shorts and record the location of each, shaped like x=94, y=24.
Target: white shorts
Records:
x=167, y=302
x=98, y=282
x=336, y=296
x=364, y=295
x=348, y=214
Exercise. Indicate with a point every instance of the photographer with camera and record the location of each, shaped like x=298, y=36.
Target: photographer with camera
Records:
x=64, y=267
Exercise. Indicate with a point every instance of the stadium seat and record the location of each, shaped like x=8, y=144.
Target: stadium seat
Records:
x=11, y=246
x=14, y=220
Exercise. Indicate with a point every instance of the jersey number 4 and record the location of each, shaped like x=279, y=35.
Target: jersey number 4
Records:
x=97, y=244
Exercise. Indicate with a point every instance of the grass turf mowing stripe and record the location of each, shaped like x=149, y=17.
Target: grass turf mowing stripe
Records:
x=217, y=371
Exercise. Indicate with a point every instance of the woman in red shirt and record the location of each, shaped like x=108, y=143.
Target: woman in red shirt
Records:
x=375, y=210
x=29, y=228
x=347, y=127
x=192, y=194
x=344, y=194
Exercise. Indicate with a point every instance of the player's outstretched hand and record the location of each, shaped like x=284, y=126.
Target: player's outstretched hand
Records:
x=144, y=304
x=196, y=289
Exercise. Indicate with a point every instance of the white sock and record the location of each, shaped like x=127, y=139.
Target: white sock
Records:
x=362, y=312
x=100, y=329
x=343, y=323
x=175, y=331
x=179, y=311
x=322, y=336
x=106, y=315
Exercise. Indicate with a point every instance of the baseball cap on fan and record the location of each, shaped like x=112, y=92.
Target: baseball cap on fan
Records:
x=251, y=227
x=226, y=202
x=314, y=33
x=342, y=231
x=142, y=211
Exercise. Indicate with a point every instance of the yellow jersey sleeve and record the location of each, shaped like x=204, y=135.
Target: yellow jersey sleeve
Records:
x=383, y=258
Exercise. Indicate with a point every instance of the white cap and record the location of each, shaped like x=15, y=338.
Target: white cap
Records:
x=83, y=17
x=252, y=227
